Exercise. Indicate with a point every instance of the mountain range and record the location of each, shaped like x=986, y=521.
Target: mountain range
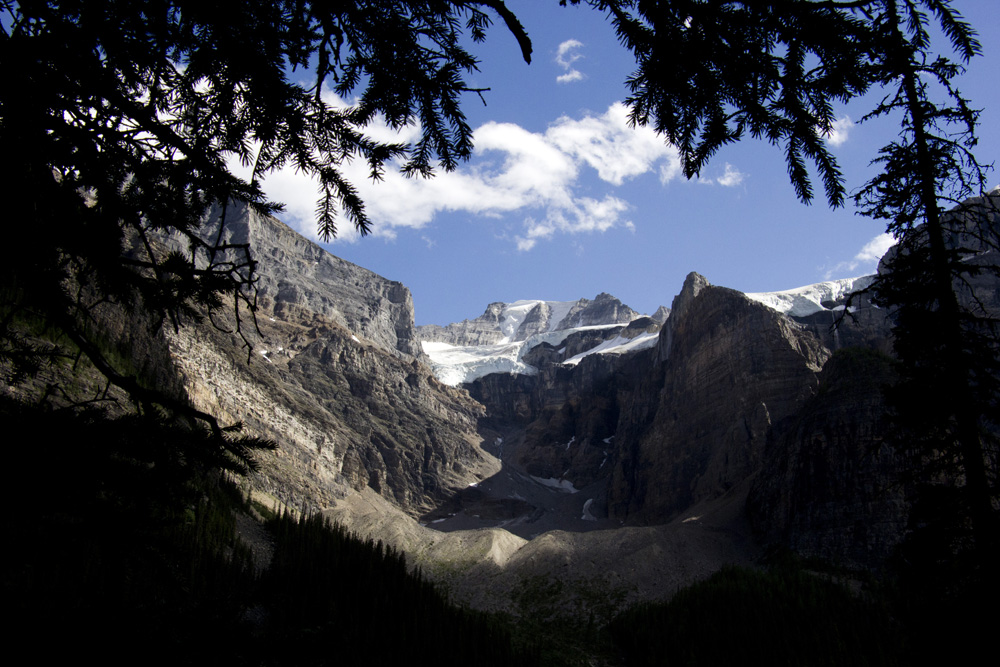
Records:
x=622, y=455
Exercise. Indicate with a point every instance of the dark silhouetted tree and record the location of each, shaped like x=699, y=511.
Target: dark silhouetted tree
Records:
x=939, y=283
x=119, y=121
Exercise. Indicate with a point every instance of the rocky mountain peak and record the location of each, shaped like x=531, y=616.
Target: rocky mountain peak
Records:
x=520, y=320
x=661, y=314
x=336, y=379
x=693, y=284
x=301, y=282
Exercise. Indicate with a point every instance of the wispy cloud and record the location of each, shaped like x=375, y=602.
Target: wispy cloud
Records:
x=839, y=131
x=731, y=177
x=866, y=260
x=566, y=55
x=534, y=176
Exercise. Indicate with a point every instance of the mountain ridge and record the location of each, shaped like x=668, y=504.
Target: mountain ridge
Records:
x=517, y=321
x=715, y=406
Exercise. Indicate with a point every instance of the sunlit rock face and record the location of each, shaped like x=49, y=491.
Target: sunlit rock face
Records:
x=335, y=378
x=520, y=320
x=300, y=281
x=725, y=396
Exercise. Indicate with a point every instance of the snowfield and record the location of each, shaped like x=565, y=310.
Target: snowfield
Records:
x=455, y=364
x=514, y=315
x=618, y=345
x=804, y=301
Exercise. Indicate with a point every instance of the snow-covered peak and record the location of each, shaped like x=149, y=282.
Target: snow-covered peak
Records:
x=510, y=322
x=809, y=299
x=513, y=315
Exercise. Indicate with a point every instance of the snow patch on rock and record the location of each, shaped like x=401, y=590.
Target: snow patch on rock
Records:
x=804, y=301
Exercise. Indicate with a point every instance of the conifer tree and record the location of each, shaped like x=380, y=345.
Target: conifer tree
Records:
x=119, y=121
x=945, y=318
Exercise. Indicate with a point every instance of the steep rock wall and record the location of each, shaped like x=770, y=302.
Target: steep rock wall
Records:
x=333, y=380
x=831, y=486
x=300, y=281
x=731, y=370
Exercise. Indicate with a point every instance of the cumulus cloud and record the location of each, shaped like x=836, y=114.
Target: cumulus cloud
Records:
x=567, y=54
x=607, y=143
x=533, y=176
x=838, y=133
x=866, y=260
x=876, y=248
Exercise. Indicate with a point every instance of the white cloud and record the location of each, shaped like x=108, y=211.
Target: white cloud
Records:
x=567, y=54
x=865, y=260
x=731, y=177
x=874, y=250
x=570, y=76
x=610, y=146
x=838, y=132
x=533, y=175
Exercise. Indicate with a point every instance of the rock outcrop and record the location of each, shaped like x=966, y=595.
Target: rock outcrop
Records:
x=735, y=398
x=298, y=281
x=727, y=371
x=334, y=379
x=831, y=486
x=738, y=403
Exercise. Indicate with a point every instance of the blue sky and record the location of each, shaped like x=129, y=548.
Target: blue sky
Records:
x=563, y=201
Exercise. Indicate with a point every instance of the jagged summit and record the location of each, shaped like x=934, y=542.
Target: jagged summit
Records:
x=497, y=340
x=518, y=321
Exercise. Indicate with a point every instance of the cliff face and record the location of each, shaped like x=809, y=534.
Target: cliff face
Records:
x=301, y=282
x=735, y=400
x=830, y=485
x=334, y=380
x=728, y=370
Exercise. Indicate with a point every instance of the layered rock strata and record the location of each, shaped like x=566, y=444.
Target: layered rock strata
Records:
x=334, y=378
x=727, y=370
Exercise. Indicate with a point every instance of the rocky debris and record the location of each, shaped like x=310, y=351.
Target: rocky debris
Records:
x=561, y=574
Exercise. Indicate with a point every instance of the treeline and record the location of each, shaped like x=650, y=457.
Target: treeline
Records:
x=779, y=617
x=122, y=545
x=333, y=598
